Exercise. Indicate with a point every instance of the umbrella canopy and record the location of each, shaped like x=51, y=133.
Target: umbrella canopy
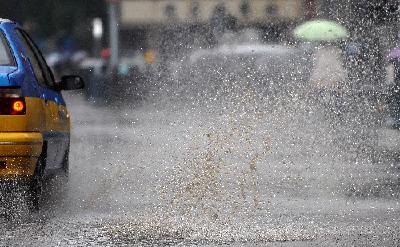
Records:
x=394, y=54
x=320, y=30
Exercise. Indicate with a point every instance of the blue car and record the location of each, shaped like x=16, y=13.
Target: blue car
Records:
x=34, y=121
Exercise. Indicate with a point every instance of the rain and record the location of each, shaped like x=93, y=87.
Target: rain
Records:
x=221, y=123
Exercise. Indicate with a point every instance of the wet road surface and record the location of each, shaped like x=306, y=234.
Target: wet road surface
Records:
x=162, y=175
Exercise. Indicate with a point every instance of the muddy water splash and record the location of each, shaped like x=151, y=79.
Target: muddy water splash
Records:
x=212, y=192
x=247, y=150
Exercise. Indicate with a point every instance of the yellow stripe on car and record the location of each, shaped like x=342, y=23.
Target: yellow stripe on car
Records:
x=19, y=153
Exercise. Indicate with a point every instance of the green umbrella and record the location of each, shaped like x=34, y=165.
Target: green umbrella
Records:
x=320, y=30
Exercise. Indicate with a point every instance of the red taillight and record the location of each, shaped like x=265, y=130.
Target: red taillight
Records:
x=12, y=106
x=11, y=101
x=18, y=106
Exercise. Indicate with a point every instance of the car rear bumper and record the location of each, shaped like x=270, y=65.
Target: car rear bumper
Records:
x=19, y=152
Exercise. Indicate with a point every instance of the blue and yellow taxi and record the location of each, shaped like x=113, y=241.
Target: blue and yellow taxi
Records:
x=34, y=121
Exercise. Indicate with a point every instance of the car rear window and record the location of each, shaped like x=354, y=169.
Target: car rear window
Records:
x=5, y=53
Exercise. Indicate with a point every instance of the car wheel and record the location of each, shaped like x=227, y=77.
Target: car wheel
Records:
x=36, y=185
x=65, y=164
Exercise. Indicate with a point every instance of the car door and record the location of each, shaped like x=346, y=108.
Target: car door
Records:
x=56, y=132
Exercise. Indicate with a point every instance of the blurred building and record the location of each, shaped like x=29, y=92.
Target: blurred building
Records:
x=173, y=25
x=247, y=12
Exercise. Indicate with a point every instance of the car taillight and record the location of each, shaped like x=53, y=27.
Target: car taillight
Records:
x=18, y=106
x=12, y=102
x=12, y=106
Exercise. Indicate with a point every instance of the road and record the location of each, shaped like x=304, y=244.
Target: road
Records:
x=164, y=174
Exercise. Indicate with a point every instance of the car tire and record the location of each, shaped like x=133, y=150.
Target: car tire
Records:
x=36, y=184
x=65, y=164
